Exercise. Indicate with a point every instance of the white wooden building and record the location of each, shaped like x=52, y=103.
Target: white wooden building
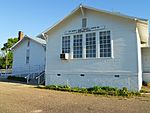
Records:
x=146, y=62
x=95, y=47
x=28, y=56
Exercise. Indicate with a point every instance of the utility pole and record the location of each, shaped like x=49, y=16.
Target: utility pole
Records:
x=6, y=62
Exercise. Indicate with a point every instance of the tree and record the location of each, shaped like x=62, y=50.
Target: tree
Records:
x=6, y=55
x=2, y=60
x=9, y=44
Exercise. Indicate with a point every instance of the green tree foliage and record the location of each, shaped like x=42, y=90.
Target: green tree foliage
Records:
x=2, y=62
x=9, y=44
x=5, y=53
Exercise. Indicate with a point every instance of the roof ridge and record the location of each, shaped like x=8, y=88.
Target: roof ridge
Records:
x=95, y=9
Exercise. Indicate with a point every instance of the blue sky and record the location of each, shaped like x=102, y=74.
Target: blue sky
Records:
x=34, y=16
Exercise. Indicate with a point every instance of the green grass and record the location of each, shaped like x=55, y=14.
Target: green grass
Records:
x=97, y=90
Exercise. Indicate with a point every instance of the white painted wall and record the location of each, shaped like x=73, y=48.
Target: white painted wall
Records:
x=146, y=64
x=99, y=71
x=146, y=77
x=37, y=58
x=146, y=60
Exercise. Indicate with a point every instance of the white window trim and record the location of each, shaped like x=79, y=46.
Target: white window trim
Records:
x=86, y=22
x=111, y=42
x=112, y=49
x=61, y=43
x=84, y=45
x=96, y=43
x=73, y=46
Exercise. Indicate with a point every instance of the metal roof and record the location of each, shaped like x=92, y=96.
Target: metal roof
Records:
x=37, y=40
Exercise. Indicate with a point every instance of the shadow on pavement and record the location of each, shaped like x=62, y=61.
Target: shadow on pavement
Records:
x=2, y=79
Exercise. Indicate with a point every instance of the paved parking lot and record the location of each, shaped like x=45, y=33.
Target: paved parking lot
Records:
x=20, y=98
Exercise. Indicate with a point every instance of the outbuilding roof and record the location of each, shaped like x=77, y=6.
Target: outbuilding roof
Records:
x=37, y=40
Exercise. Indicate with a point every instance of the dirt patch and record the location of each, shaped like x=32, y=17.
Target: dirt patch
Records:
x=20, y=98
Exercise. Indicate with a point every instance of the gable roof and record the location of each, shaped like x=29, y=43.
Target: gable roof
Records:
x=37, y=40
x=80, y=7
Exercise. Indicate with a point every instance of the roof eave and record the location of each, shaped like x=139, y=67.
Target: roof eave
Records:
x=15, y=45
x=91, y=8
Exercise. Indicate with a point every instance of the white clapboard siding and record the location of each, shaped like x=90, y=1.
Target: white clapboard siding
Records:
x=123, y=63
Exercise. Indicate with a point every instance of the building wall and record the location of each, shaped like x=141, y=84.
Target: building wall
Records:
x=146, y=77
x=146, y=60
x=146, y=64
x=98, y=71
x=37, y=58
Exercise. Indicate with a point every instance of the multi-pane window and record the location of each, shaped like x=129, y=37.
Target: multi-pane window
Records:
x=105, y=44
x=27, y=56
x=66, y=44
x=77, y=46
x=77, y=41
x=90, y=45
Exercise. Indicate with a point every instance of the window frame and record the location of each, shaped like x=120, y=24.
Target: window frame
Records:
x=62, y=43
x=84, y=45
x=111, y=42
x=73, y=45
x=95, y=45
x=82, y=22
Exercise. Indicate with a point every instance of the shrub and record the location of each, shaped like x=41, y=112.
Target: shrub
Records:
x=75, y=89
x=64, y=88
x=107, y=88
x=83, y=90
x=54, y=87
x=59, y=87
x=94, y=90
x=113, y=93
x=102, y=92
x=123, y=92
x=136, y=93
x=144, y=83
x=125, y=89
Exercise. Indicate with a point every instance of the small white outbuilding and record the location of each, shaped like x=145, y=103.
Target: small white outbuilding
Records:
x=28, y=56
x=95, y=47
